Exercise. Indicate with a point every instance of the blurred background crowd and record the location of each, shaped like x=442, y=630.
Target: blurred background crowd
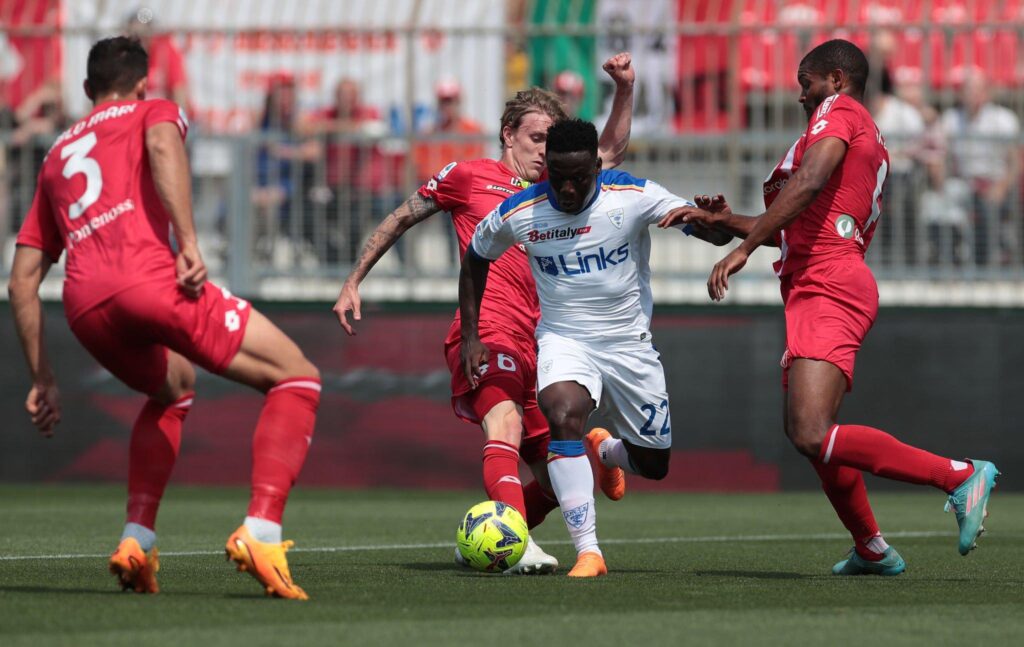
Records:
x=311, y=121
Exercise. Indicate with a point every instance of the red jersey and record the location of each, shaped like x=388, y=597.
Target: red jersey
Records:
x=469, y=191
x=841, y=220
x=95, y=198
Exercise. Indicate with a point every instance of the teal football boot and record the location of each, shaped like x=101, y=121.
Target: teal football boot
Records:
x=970, y=502
x=891, y=564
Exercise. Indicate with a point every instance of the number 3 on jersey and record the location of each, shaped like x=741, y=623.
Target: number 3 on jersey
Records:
x=80, y=162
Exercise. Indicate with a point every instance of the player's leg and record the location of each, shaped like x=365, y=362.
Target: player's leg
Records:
x=538, y=494
x=968, y=482
x=815, y=393
x=269, y=361
x=114, y=336
x=635, y=399
x=496, y=404
x=567, y=406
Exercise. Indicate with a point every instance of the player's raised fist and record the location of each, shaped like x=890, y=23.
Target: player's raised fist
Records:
x=348, y=300
x=620, y=68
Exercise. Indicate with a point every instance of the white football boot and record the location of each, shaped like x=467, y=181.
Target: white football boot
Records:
x=534, y=562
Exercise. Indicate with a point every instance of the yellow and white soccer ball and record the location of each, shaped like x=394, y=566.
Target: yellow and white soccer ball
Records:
x=492, y=537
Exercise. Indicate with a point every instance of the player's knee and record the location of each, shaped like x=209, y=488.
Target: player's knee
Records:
x=565, y=420
x=807, y=439
x=301, y=367
x=651, y=465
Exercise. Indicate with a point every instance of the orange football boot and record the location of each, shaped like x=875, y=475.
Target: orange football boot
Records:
x=589, y=564
x=135, y=570
x=611, y=479
x=266, y=562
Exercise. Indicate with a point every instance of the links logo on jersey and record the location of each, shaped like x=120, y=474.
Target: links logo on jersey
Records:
x=577, y=515
x=583, y=262
x=560, y=233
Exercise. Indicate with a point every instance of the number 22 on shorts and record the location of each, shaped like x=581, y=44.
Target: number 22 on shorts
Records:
x=651, y=412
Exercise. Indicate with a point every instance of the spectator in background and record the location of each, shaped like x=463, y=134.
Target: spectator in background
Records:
x=451, y=138
x=167, y=78
x=362, y=176
x=569, y=87
x=452, y=132
x=285, y=174
x=984, y=152
x=902, y=125
x=942, y=203
x=35, y=124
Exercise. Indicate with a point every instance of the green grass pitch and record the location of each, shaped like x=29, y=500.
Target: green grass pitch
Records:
x=685, y=569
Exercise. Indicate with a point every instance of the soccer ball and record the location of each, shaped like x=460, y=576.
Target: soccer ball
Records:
x=492, y=536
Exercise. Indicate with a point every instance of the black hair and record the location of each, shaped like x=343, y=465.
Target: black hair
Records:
x=116, y=65
x=839, y=54
x=572, y=136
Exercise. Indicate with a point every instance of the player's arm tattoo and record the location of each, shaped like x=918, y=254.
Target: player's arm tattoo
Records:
x=416, y=209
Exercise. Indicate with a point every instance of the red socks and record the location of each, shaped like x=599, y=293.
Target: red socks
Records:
x=844, y=487
x=152, y=450
x=873, y=450
x=501, y=483
x=538, y=503
x=501, y=475
x=283, y=434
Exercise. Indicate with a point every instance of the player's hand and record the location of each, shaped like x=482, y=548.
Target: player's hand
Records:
x=43, y=405
x=688, y=215
x=191, y=271
x=474, y=359
x=348, y=300
x=620, y=68
x=718, y=282
x=714, y=204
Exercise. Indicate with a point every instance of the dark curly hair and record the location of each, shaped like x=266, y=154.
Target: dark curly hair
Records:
x=572, y=136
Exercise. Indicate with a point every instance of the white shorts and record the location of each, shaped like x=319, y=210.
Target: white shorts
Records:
x=626, y=381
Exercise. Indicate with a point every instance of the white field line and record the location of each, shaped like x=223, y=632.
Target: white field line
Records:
x=711, y=539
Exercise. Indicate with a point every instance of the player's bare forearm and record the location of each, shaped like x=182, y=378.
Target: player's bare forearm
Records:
x=739, y=225
x=414, y=210
x=817, y=166
x=27, y=272
x=716, y=237
x=472, y=281
x=172, y=179
x=795, y=197
x=615, y=137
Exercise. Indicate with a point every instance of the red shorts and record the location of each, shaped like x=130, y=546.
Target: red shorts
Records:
x=130, y=333
x=511, y=375
x=830, y=307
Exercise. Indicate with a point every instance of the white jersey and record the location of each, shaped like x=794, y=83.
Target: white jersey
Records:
x=592, y=268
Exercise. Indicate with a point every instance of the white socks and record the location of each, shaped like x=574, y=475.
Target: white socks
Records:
x=573, y=482
x=613, y=454
x=876, y=544
x=145, y=536
x=262, y=530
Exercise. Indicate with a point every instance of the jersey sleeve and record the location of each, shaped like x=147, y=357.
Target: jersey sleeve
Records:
x=163, y=110
x=450, y=187
x=840, y=121
x=658, y=201
x=493, y=236
x=40, y=229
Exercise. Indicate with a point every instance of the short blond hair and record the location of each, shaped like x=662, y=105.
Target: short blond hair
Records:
x=526, y=101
